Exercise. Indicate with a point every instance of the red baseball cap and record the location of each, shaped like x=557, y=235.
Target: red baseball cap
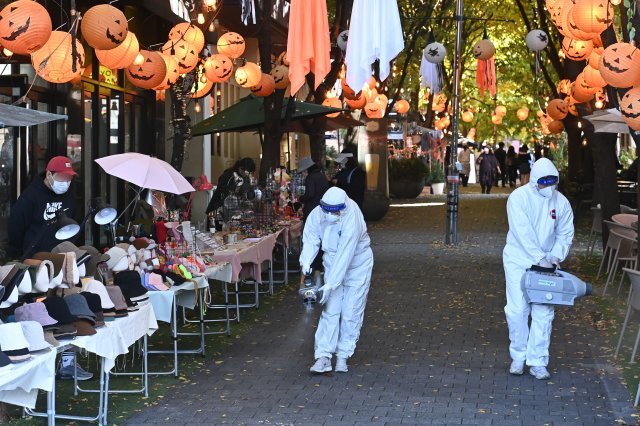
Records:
x=62, y=165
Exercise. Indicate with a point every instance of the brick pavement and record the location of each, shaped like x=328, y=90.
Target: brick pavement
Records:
x=433, y=348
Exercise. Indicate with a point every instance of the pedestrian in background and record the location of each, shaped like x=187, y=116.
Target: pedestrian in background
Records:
x=464, y=158
x=501, y=156
x=524, y=164
x=488, y=170
x=511, y=163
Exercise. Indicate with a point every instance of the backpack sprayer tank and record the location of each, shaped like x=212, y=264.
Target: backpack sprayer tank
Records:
x=553, y=287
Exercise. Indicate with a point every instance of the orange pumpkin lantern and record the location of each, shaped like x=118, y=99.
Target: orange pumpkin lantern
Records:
x=189, y=33
x=555, y=127
x=593, y=77
x=347, y=91
x=161, y=95
x=54, y=61
x=25, y=26
x=594, y=58
x=522, y=113
x=248, y=75
x=372, y=83
x=383, y=100
x=620, y=65
x=280, y=76
x=218, y=68
x=564, y=86
x=557, y=109
x=593, y=16
x=369, y=93
x=231, y=44
x=500, y=110
x=402, y=107
x=150, y=73
x=571, y=105
x=266, y=86
x=202, y=87
x=333, y=103
x=496, y=119
x=185, y=54
x=358, y=103
x=630, y=108
x=576, y=50
x=121, y=56
x=467, y=116
x=104, y=27
x=561, y=16
x=484, y=49
x=573, y=30
x=581, y=91
x=172, y=72
x=374, y=110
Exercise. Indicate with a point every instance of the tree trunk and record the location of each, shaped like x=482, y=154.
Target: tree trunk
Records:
x=180, y=120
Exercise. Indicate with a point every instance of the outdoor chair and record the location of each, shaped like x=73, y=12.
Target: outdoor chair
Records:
x=596, y=229
x=624, y=252
x=627, y=209
x=610, y=248
x=634, y=305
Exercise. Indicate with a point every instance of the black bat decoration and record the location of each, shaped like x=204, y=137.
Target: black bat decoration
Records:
x=433, y=52
x=19, y=31
x=543, y=37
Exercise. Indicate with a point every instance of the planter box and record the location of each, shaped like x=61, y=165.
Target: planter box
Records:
x=402, y=188
x=437, y=188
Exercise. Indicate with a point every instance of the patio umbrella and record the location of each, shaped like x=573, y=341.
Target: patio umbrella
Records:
x=146, y=172
x=11, y=115
x=333, y=123
x=608, y=121
x=248, y=115
x=308, y=45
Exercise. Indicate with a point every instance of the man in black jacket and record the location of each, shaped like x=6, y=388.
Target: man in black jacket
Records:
x=229, y=180
x=352, y=179
x=501, y=156
x=38, y=204
x=315, y=185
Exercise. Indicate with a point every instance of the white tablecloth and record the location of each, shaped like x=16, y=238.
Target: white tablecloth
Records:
x=115, y=338
x=20, y=385
x=185, y=294
x=220, y=271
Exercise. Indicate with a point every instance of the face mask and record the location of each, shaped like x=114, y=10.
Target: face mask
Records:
x=59, y=187
x=331, y=218
x=547, y=192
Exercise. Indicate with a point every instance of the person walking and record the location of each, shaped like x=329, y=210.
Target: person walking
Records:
x=524, y=164
x=540, y=233
x=511, y=162
x=315, y=185
x=337, y=225
x=501, y=156
x=464, y=157
x=488, y=169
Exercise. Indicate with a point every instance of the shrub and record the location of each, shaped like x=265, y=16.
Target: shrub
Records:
x=412, y=169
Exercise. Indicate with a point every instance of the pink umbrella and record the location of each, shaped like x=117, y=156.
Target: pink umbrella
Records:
x=146, y=172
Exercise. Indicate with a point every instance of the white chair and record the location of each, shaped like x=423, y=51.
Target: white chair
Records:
x=610, y=249
x=624, y=252
x=634, y=304
x=596, y=229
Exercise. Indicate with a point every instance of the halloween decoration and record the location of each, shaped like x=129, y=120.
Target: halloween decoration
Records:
x=564, y=86
x=332, y=103
x=573, y=30
x=560, y=16
x=500, y=110
x=121, y=56
x=593, y=16
x=104, y=27
x=439, y=103
x=347, y=91
x=201, y=87
x=486, y=76
x=248, y=75
x=576, y=50
x=218, y=68
x=593, y=77
x=25, y=26
x=555, y=127
x=374, y=110
x=54, y=61
x=537, y=40
x=484, y=49
x=402, y=106
x=358, y=102
x=467, y=116
x=280, y=76
x=522, y=113
x=594, y=58
x=620, y=65
x=571, y=105
x=496, y=119
x=581, y=91
x=383, y=100
x=189, y=33
x=282, y=59
x=150, y=73
x=342, y=40
x=266, y=86
x=161, y=95
x=232, y=45
x=172, y=72
x=185, y=53
x=369, y=94
x=630, y=108
x=557, y=109
x=434, y=53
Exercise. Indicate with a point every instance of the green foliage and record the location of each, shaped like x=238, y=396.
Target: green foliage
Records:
x=412, y=169
x=436, y=174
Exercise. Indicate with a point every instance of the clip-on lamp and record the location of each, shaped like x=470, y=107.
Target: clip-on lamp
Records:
x=103, y=214
x=64, y=226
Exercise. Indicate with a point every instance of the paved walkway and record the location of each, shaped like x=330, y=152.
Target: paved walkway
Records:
x=433, y=348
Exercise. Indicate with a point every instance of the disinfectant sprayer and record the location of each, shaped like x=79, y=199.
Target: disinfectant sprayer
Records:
x=309, y=291
x=552, y=287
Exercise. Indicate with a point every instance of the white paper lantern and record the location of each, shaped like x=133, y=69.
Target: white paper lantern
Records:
x=343, y=37
x=537, y=40
x=434, y=52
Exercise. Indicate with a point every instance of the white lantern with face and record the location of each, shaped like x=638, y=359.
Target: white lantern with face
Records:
x=343, y=37
x=537, y=40
x=434, y=52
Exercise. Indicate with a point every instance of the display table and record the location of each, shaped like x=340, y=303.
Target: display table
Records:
x=20, y=385
x=291, y=230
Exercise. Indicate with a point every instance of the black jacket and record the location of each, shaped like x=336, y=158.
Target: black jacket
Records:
x=225, y=186
x=353, y=182
x=29, y=215
x=315, y=185
x=501, y=156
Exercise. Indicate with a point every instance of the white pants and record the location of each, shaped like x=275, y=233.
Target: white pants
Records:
x=527, y=344
x=341, y=319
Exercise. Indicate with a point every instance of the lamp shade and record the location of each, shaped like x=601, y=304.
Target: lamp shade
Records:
x=66, y=227
x=105, y=214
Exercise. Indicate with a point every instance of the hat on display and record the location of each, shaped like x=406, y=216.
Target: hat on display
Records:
x=93, y=300
x=79, y=308
x=334, y=200
x=34, y=334
x=305, y=163
x=134, y=292
x=5, y=363
x=50, y=338
x=25, y=286
x=36, y=311
x=84, y=327
x=58, y=310
x=116, y=255
x=13, y=343
x=82, y=256
x=92, y=263
x=71, y=275
x=62, y=165
x=96, y=287
x=44, y=273
x=12, y=277
x=115, y=294
x=58, y=264
x=65, y=332
x=143, y=243
x=6, y=273
x=155, y=280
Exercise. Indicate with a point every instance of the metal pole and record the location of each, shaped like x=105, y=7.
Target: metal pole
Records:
x=452, y=176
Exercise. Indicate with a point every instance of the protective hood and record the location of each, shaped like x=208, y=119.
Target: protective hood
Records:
x=335, y=199
x=541, y=168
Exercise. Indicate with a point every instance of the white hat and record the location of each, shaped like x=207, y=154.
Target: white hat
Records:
x=343, y=157
x=116, y=254
x=305, y=163
x=13, y=342
x=95, y=286
x=34, y=334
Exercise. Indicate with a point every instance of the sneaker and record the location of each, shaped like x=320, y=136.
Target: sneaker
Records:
x=66, y=373
x=539, y=373
x=322, y=365
x=517, y=368
x=341, y=365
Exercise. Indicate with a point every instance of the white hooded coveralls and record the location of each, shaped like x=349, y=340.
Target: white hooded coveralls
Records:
x=539, y=228
x=347, y=261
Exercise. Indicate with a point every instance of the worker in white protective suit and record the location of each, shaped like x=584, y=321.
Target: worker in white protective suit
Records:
x=540, y=233
x=338, y=226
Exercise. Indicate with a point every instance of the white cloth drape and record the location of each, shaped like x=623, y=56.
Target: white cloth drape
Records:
x=374, y=33
x=431, y=76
